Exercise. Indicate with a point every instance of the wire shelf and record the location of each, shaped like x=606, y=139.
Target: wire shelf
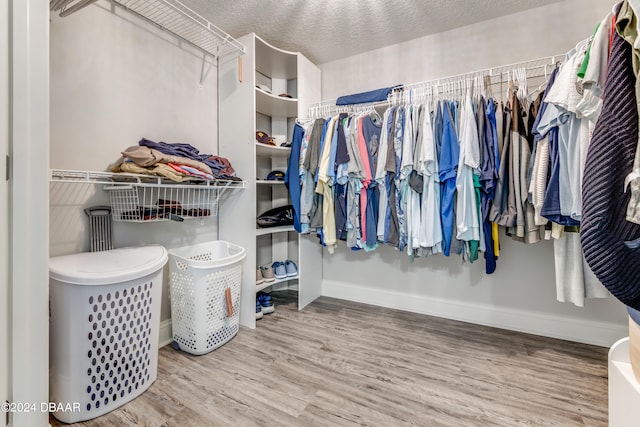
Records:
x=178, y=19
x=151, y=204
x=144, y=198
x=171, y=16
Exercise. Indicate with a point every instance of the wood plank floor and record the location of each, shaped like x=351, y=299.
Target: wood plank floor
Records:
x=340, y=363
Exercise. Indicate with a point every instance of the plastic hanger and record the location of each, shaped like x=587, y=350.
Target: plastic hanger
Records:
x=542, y=85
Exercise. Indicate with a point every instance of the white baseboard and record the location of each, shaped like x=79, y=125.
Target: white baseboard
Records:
x=571, y=329
x=166, y=334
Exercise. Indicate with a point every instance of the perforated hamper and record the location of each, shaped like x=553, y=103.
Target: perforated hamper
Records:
x=104, y=324
x=205, y=283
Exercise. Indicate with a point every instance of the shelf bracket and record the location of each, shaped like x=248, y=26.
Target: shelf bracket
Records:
x=206, y=67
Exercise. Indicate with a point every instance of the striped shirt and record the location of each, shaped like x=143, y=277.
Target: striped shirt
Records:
x=610, y=157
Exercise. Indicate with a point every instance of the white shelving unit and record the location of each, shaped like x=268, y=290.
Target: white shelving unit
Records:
x=268, y=182
x=245, y=109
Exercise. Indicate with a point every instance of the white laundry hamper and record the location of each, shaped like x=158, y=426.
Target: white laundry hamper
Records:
x=205, y=281
x=104, y=324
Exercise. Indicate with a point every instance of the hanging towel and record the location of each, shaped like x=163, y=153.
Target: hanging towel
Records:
x=364, y=97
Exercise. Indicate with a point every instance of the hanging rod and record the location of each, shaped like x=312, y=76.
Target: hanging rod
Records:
x=493, y=72
x=529, y=65
x=67, y=7
x=171, y=16
x=175, y=17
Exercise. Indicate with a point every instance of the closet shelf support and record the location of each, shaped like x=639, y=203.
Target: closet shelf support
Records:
x=206, y=67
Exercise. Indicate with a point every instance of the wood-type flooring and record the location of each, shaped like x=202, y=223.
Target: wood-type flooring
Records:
x=339, y=363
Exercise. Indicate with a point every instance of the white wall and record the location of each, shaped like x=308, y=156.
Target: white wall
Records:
x=532, y=34
x=114, y=80
x=521, y=294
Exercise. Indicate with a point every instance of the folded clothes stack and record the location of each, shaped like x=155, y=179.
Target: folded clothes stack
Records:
x=177, y=162
x=175, y=208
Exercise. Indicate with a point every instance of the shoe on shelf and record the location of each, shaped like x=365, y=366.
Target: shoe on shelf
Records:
x=279, y=270
x=259, y=277
x=259, y=313
x=267, y=273
x=291, y=268
x=266, y=303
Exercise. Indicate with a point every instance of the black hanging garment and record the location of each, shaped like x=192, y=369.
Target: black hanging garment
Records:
x=607, y=237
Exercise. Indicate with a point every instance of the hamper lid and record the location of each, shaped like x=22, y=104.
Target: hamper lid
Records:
x=107, y=267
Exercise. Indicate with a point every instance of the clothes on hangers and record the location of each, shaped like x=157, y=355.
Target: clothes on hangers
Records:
x=440, y=173
x=595, y=72
x=370, y=129
x=573, y=137
x=430, y=232
x=325, y=188
x=562, y=129
x=608, y=239
x=628, y=27
x=468, y=219
x=487, y=131
x=397, y=230
x=381, y=174
x=448, y=170
x=379, y=179
x=309, y=157
x=292, y=176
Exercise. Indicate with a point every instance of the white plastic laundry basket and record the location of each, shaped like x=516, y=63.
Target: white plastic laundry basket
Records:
x=205, y=284
x=104, y=324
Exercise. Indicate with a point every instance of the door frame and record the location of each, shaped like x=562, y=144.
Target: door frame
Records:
x=4, y=205
x=29, y=208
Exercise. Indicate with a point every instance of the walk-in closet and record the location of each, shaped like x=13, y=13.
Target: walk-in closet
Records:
x=309, y=213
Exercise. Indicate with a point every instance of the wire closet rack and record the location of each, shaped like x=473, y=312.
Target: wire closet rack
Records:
x=145, y=198
x=169, y=15
x=534, y=70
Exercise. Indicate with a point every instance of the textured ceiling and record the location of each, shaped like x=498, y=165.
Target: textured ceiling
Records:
x=325, y=30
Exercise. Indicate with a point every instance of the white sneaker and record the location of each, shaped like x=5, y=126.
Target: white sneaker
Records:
x=259, y=277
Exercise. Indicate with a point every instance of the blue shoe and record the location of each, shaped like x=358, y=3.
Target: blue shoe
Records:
x=266, y=303
x=279, y=270
x=259, y=313
x=291, y=268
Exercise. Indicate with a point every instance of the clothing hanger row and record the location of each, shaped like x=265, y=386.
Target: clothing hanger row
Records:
x=480, y=83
